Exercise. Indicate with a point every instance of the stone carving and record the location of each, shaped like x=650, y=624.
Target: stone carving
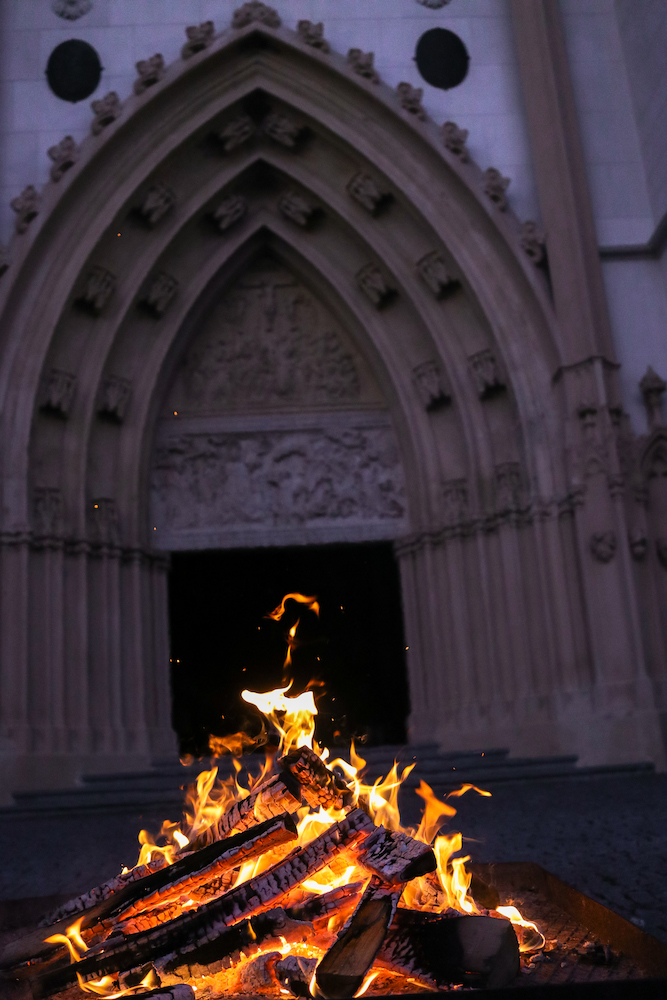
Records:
x=71, y=10
x=230, y=211
x=603, y=546
x=656, y=463
x=47, y=512
x=430, y=385
x=103, y=521
x=661, y=550
x=64, y=156
x=114, y=398
x=411, y=99
x=376, y=285
x=150, y=72
x=508, y=488
x=158, y=201
x=367, y=192
x=268, y=344
x=433, y=4
x=638, y=545
x=295, y=207
x=161, y=291
x=236, y=132
x=199, y=37
x=592, y=453
x=455, y=502
x=362, y=64
x=532, y=241
x=313, y=34
x=652, y=389
x=495, y=186
x=433, y=270
x=282, y=129
x=278, y=479
x=26, y=205
x=486, y=375
x=106, y=110
x=57, y=392
x=100, y=286
x=454, y=139
x=4, y=259
x=254, y=11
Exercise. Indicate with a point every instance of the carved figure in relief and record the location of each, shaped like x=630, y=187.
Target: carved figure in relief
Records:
x=430, y=385
x=277, y=479
x=160, y=293
x=114, y=398
x=508, y=487
x=26, y=205
x=484, y=369
x=255, y=11
x=313, y=34
x=158, y=201
x=295, y=207
x=106, y=110
x=454, y=139
x=375, y=285
x=603, y=546
x=411, y=99
x=57, y=392
x=270, y=344
x=282, y=129
x=495, y=186
x=367, y=192
x=199, y=37
x=99, y=288
x=652, y=389
x=433, y=270
x=362, y=64
x=230, y=211
x=64, y=156
x=532, y=241
x=150, y=72
x=236, y=132
x=47, y=511
x=455, y=502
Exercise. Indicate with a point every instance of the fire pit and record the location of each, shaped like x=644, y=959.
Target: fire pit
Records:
x=306, y=884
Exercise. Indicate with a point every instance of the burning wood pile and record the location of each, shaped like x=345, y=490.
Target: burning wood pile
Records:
x=303, y=884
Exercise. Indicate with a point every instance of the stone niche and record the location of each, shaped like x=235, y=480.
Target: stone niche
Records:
x=274, y=430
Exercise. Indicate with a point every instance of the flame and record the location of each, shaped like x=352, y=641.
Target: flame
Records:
x=367, y=982
x=294, y=718
x=311, y=603
x=530, y=937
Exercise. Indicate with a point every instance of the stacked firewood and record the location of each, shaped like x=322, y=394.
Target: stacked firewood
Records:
x=195, y=923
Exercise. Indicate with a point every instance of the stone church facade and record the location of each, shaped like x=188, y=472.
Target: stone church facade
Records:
x=269, y=300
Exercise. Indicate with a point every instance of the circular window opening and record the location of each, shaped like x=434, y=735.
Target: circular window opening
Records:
x=442, y=58
x=73, y=70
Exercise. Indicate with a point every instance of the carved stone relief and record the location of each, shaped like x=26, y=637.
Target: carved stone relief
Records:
x=282, y=129
x=455, y=503
x=376, y=285
x=297, y=208
x=236, y=132
x=532, y=241
x=150, y=72
x=255, y=11
x=278, y=479
x=638, y=545
x=495, y=186
x=430, y=385
x=603, y=546
x=199, y=37
x=114, y=398
x=411, y=99
x=160, y=292
x=158, y=201
x=486, y=374
x=230, y=211
x=99, y=288
x=71, y=10
x=26, y=205
x=362, y=64
x=103, y=521
x=433, y=270
x=47, y=511
x=106, y=110
x=454, y=139
x=368, y=193
x=508, y=488
x=269, y=344
x=57, y=392
x=64, y=156
x=313, y=35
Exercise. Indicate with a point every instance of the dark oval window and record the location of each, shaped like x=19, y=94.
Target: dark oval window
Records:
x=442, y=58
x=73, y=70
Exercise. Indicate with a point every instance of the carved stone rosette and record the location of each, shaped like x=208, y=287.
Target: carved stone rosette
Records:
x=114, y=398
x=376, y=285
x=229, y=212
x=57, y=392
x=106, y=110
x=258, y=12
x=158, y=202
x=362, y=64
x=150, y=72
x=26, y=205
x=199, y=37
x=313, y=35
x=433, y=271
x=64, y=156
x=237, y=131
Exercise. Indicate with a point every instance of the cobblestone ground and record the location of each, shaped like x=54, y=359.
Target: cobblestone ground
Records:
x=605, y=836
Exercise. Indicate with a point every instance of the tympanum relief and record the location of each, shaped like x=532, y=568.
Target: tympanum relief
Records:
x=274, y=430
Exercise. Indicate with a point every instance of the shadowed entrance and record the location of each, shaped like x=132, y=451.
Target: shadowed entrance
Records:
x=222, y=643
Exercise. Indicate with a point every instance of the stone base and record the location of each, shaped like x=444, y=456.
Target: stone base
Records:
x=48, y=772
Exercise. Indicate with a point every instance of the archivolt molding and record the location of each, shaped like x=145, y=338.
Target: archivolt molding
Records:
x=119, y=167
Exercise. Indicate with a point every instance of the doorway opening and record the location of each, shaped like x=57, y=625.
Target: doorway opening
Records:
x=353, y=654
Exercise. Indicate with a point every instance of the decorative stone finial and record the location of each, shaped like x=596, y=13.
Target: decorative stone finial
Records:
x=495, y=186
x=652, y=387
x=255, y=11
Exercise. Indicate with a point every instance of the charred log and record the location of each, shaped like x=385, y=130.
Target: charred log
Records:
x=280, y=794
x=321, y=787
x=395, y=857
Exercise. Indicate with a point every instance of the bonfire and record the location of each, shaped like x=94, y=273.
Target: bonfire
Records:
x=301, y=882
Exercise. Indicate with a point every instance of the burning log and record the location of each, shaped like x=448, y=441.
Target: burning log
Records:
x=94, y=896
x=280, y=794
x=343, y=969
x=395, y=857
x=448, y=950
x=321, y=787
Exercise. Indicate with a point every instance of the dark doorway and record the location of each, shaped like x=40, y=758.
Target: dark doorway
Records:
x=222, y=642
